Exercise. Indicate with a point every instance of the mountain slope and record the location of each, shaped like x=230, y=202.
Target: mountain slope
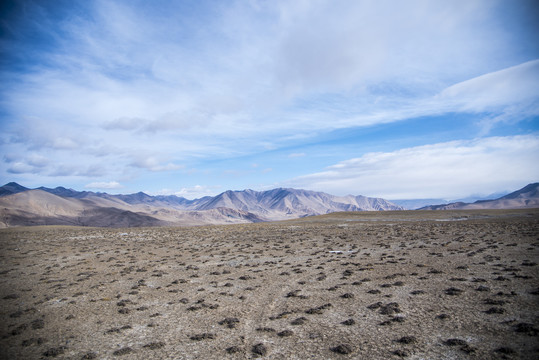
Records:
x=527, y=197
x=38, y=207
x=278, y=204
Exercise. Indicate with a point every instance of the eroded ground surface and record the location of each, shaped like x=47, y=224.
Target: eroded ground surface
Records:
x=440, y=285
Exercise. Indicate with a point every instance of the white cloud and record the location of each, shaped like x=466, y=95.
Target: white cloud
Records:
x=124, y=123
x=38, y=160
x=104, y=185
x=152, y=163
x=446, y=170
x=20, y=168
x=513, y=85
x=193, y=192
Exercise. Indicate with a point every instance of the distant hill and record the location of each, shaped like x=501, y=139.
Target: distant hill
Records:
x=21, y=206
x=527, y=197
x=11, y=188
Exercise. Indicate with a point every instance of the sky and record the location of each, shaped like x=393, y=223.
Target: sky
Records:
x=385, y=98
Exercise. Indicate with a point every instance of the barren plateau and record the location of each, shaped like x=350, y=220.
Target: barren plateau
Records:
x=376, y=285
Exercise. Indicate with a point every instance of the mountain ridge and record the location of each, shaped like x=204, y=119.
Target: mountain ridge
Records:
x=22, y=206
x=526, y=197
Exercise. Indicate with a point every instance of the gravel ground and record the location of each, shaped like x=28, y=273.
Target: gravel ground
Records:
x=415, y=285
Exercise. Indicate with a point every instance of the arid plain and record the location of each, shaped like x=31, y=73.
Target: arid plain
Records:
x=368, y=285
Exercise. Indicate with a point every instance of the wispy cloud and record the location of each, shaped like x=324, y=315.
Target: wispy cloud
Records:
x=104, y=185
x=154, y=164
x=193, y=192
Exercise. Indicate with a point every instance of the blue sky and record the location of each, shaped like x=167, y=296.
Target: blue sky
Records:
x=394, y=99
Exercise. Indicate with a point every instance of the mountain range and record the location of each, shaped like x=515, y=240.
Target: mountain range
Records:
x=527, y=197
x=21, y=206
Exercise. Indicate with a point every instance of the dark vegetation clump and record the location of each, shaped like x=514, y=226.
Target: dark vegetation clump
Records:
x=526, y=328
x=299, y=321
x=285, y=333
x=229, y=322
x=123, y=351
x=204, y=336
x=233, y=349
x=55, y=351
x=343, y=349
x=390, y=309
x=154, y=345
x=453, y=291
x=455, y=342
x=260, y=349
x=89, y=355
x=407, y=340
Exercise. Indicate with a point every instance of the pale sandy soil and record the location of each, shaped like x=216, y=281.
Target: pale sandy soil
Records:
x=415, y=285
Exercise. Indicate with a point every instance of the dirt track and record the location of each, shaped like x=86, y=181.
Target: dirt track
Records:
x=416, y=285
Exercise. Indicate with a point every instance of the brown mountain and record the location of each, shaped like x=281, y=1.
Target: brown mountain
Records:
x=60, y=206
